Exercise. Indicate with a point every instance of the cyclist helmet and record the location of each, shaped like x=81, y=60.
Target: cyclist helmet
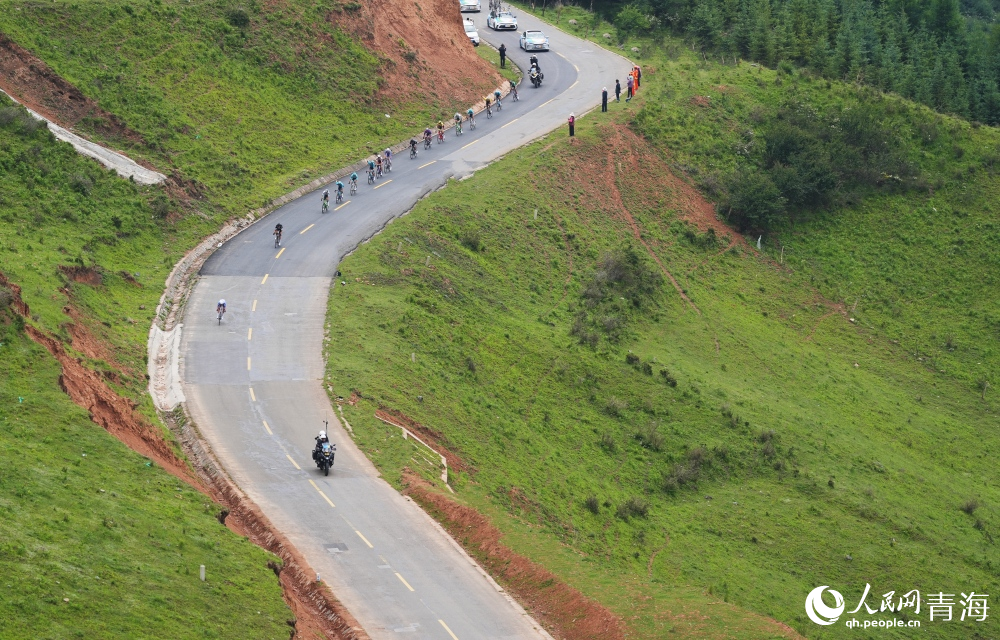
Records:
x=354, y=176
x=496, y=92
x=388, y=152
x=278, y=227
x=222, y=302
x=469, y=111
x=340, y=185
x=326, y=192
x=458, y=116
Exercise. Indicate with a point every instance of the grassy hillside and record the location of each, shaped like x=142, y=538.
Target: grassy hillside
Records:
x=96, y=542
x=744, y=446
x=248, y=101
x=84, y=518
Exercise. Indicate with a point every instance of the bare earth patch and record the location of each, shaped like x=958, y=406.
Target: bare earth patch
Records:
x=565, y=612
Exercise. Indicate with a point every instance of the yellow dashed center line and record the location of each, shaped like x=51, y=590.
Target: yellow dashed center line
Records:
x=268, y=429
x=279, y=253
x=265, y=278
x=382, y=185
x=295, y=464
x=307, y=229
x=453, y=636
x=544, y=103
x=254, y=308
x=403, y=580
x=510, y=123
x=248, y=363
x=249, y=333
x=470, y=144
x=574, y=84
x=427, y=165
x=342, y=206
x=253, y=398
x=328, y=501
x=365, y=539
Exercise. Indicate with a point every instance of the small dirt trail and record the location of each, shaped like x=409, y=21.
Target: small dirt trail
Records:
x=618, y=203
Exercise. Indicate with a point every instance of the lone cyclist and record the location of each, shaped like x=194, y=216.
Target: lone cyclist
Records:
x=277, y=240
x=221, y=308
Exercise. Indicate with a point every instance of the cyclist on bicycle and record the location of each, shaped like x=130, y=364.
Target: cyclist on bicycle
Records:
x=427, y=137
x=326, y=197
x=489, y=109
x=471, y=115
x=513, y=90
x=277, y=234
x=354, y=180
x=413, y=147
x=340, y=190
x=388, y=158
x=221, y=307
x=458, y=124
x=440, y=128
x=496, y=98
x=371, y=170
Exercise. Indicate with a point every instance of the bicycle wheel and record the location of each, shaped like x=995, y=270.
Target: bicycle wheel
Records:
x=220, y=317
x=354, y=188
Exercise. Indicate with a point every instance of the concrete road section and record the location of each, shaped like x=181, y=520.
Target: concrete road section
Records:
x=253, y=382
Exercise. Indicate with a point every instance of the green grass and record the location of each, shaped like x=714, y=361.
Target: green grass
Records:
x=247, y=112
x=797, y=448
x=97, y=542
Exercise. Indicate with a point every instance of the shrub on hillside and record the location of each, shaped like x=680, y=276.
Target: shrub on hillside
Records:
x=621, y=286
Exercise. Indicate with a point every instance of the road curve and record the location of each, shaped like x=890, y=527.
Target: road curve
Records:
x=253, y=384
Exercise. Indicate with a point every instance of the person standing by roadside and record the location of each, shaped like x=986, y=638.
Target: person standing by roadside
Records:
x=618, y=91
x=604, y=99
x=572, y=125
x=638, y=76
x=628, y=87
x=503, y=55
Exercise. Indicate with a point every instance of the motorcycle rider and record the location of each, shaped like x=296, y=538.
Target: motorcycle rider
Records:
x=321, y=439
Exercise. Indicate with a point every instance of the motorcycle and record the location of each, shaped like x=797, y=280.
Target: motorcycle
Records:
x=324, y=457
x=536, y=77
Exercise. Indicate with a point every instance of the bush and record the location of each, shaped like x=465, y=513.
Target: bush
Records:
x=592, y=505
x=970, y=506
x=238, y=18
x=633, y=507
x=615, y=407
x=753, y=201
x=651, y=438
x=607, y=442
x=629, y=21
x=631, y=359
x=669, y=379
x=471, y=241
x=81, y=184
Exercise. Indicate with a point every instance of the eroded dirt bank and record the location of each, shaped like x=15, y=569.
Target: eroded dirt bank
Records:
x=317, y=611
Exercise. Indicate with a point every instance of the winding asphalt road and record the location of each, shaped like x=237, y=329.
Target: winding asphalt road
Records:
x=254, y=384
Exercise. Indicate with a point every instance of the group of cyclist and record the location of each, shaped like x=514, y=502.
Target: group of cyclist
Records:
x=470, y=117
x=381, y=164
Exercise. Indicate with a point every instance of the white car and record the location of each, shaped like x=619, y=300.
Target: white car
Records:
x=470, y=30
x=470, y=5
x=504, y=20
x=533, y=40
